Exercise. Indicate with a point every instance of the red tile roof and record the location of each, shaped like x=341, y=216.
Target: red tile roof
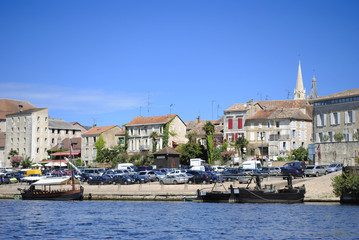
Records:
x=99, y=130
x=151, y=120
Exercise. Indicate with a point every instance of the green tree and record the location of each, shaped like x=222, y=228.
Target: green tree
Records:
x=346, y=184
x=100, y=146
x=209, y=130
x=188, y=151
x=191, y=136
x=300, y=154
x=26, y=162
x=154, y=136
x=356, y=135
x=239, y=144
x=13, y=153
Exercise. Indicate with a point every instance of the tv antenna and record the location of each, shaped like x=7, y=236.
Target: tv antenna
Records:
x=171, y=105
x=288, y=93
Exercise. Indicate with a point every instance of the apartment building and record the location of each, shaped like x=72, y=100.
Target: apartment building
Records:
x=140, y=129
x=336, y=127
x=89, y=138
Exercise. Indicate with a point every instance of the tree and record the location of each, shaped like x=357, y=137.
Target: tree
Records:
x=154, y=136
x=13, y=153
x=15, y=161
x=300, y=154
x=100, y=145
x=191, y=136
x=356, y=135
x=209, y=129
x=26, y=162
x=188, y=151
x=239, y=144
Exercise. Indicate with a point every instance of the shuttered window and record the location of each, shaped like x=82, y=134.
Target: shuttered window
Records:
x=240, y=123
x=230, y=123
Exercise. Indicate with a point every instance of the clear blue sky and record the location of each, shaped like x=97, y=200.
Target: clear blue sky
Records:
x=103, y=61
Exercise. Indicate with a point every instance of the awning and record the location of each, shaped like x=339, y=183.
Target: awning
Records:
x=55, y=181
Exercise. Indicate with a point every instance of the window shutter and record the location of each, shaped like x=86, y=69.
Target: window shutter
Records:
x=230, y=123
x=331, y=118
x=353, y=114
x=338, y=117
x=325, y=119
x=318, y=120
x=346, y=117
x=240, y=126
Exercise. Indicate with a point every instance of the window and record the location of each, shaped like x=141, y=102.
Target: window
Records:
x=53, y=140
x=331, y=135
x=94, y=140
x=87, y=140
x=94, y=152
x=38, y=129
x=73, y=132
x=38, y=140
x=284, y=146
x=67, y=131
x=45, y=119
x=240, y=123
x=268, y=124
x=277, y=124
x=349, y=117
x=46, y=129
x=53, y=130
x=252, y=125
x=251, y=136
x=87, y=152
x=335, y=118
x=294, y=134
x=230, y=123
x=38, y=119
x=259, y=125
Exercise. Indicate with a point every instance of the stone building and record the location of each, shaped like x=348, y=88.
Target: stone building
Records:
x=89, y=138
x=140, y=128
x=277, y=127
x=32, y=133
x=9, y=106
x=336, y=127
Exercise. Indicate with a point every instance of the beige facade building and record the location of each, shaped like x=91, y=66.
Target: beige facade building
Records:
x=89, y=138
x=140, y=128
x=336, y=127
x=278, y=127
x=197, y=128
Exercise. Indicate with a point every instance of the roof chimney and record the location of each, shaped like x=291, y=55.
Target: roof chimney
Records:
x=198, y=119
x=94, y=125
x=20, y=107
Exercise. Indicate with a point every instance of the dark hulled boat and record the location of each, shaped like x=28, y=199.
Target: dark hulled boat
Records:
x=53, y=189
x=257, y=195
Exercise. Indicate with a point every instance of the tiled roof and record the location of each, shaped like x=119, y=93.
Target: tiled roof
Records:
x=150, y=120
x=237, y=107
x=347, y=93
x=29, y=111
x=195, y=126
x=8, y=106
x=76, y=143
x=99, y=130
x=284, y=109
x=61, y=124
x=166, y=150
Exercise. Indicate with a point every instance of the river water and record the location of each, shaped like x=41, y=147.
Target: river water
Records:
x=175, y=220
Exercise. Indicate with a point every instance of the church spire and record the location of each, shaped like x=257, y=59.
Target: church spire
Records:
x=299, y=92
x=313, y=93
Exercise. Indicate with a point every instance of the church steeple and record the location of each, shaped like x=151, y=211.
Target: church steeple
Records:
x=299, y=92
x=313, y=93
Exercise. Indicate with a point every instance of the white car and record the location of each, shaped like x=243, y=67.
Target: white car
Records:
x=334, y=167
x=315, y=170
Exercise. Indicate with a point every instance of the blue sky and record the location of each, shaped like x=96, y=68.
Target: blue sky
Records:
x=104, y=61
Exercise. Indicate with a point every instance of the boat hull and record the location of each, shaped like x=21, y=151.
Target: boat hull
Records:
x=53, y=196
x=243, y=195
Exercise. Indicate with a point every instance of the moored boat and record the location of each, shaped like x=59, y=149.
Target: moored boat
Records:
x=268, y=194
x=57, y=188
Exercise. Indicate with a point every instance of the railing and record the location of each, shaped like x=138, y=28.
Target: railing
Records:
x=276, y=137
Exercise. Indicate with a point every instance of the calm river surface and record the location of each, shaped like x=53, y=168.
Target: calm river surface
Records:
x=175, y=220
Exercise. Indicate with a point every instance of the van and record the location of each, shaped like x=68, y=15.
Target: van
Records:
x=94, y=171
x=126, y=166
x=28, y=172
x=254, y=164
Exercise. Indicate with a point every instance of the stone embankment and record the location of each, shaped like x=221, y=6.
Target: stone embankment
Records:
x=318, y=189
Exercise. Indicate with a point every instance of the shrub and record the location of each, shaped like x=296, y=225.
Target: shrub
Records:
x=346, y=184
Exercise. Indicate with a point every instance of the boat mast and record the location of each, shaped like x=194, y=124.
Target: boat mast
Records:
x=72, y=172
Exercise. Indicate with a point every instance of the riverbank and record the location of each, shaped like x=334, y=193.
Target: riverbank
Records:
x=318, y=189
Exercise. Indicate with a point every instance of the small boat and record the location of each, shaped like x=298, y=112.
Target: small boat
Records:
x=53, y=189
x=268, y=194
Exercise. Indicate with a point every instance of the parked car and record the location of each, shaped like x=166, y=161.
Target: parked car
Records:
x=292, y=171
x=99, y=180
x=334, y=167
x=199, y=177
x=298, y=165
x=274, y=171
x=140, y=178
x=123, y=179
x=315, y=170
x=173, y=179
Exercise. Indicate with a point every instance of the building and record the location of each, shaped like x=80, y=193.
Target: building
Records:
x=169, y=127
x=89, y=138
x=336, y=127
x=27, y=132
x=299, y=92
x=32, y=133
x=277, y=127
x=166, y=158
x=9, y=106
x=196, y=127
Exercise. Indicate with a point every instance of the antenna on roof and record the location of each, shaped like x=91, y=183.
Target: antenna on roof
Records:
x=171, y=105
x=260, y=95
x=217, y=111
x=267, y=97
x=212, y=109
x=288, y=93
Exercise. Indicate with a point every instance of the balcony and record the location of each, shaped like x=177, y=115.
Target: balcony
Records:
x=276, y=137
